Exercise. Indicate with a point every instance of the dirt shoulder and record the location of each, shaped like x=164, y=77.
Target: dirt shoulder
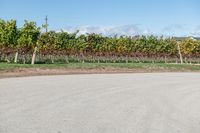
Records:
x=21, y=70
x=24, y=72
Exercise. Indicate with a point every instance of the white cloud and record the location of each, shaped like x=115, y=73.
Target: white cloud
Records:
x=128, y=30
x=196, y=31
x=132, y=30
x=174, y=29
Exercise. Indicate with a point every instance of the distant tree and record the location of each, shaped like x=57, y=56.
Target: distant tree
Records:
x=190, y=47
x=2, y=35
x=8, y=36
x=28, y=37
x=46, y=42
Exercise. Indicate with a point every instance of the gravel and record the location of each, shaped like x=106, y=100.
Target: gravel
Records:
x=101, y=103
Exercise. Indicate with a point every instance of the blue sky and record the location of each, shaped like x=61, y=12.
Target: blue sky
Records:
x=159, y=17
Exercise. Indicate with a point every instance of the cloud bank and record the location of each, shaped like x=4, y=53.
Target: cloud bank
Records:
x=128, y=30
x=133, y=30
x=172, y=29
x=196, y=31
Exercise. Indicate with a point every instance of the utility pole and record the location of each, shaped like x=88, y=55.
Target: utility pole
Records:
x=46, y=24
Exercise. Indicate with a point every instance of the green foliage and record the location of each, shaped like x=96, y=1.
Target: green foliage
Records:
x=8, y=34
x=24, y=40
x=46, y=42
x=28, y=35
x=190, y=47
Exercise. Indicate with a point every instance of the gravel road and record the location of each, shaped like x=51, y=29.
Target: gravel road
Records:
x=104, y=103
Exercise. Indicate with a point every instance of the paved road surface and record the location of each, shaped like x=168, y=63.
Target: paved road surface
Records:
x=117, y=103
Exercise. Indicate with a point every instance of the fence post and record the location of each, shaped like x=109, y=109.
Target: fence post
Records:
x=179, y=51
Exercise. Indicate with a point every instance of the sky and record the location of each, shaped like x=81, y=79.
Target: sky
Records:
x=123, y=17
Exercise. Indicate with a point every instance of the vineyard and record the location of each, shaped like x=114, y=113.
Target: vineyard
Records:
x=28, y=44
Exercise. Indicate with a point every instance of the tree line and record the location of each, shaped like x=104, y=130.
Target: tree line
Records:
x=30, y=43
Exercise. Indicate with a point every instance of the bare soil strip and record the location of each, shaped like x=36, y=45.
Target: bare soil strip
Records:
x=24, y=72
